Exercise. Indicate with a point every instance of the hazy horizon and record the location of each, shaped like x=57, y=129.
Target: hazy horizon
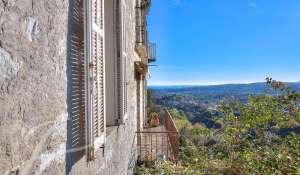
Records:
x=229, y=83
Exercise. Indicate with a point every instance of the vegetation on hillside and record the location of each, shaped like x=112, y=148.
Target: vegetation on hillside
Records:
x=261, y=136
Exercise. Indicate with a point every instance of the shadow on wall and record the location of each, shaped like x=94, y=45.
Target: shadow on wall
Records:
x=75, y=146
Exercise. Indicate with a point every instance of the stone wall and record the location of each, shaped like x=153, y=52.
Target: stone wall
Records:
x=34, y=94
x=33, y=84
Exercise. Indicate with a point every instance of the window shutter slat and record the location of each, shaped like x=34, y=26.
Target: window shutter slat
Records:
x=98, y=62
x=77, y=64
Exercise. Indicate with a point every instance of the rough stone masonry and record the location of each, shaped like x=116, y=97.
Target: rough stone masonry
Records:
x=33, y=85
x=34, y=90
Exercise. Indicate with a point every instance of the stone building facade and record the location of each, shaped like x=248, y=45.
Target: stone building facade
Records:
x=72, y=85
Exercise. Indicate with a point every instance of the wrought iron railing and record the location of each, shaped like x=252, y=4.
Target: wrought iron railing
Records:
x=170, y=126
x=151, y=52
x=159, y=143
x=153, y=145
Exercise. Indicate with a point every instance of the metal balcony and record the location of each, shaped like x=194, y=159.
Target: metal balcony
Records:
x=159, y=143
x=151, y=52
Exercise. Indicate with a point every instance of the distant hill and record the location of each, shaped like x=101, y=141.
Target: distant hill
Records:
x=253, y=88
x=198, y=103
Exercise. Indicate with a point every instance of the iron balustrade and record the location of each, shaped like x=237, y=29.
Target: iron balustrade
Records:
x=170, y=126
x=161, y=142
x=151, y=52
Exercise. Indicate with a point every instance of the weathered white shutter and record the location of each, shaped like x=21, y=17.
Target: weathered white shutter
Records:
x=95, y=77
x=98, y=58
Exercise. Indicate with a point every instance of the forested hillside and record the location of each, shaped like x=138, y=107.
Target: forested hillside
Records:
x=199, y=103
x=259, y=136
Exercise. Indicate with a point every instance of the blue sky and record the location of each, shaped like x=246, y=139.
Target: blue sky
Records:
x=224, y=41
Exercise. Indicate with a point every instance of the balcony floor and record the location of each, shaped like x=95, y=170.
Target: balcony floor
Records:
x=160, y=128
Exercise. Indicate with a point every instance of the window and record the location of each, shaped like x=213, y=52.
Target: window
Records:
x=116, y=62
x=88, y=76
x=95, y=73
x=99, y=66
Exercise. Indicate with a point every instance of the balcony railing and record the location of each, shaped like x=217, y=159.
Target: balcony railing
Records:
x=174, y=138
x=151, y=52
x=161, y=142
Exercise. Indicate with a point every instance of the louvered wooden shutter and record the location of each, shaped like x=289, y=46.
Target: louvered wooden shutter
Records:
x=99, y=71
x=78, y=79
x=96, y=71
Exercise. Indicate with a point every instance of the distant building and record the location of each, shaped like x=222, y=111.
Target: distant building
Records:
x=72, y=85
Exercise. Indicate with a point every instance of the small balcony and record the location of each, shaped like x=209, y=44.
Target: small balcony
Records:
x=159, y=143
x=151, y=52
